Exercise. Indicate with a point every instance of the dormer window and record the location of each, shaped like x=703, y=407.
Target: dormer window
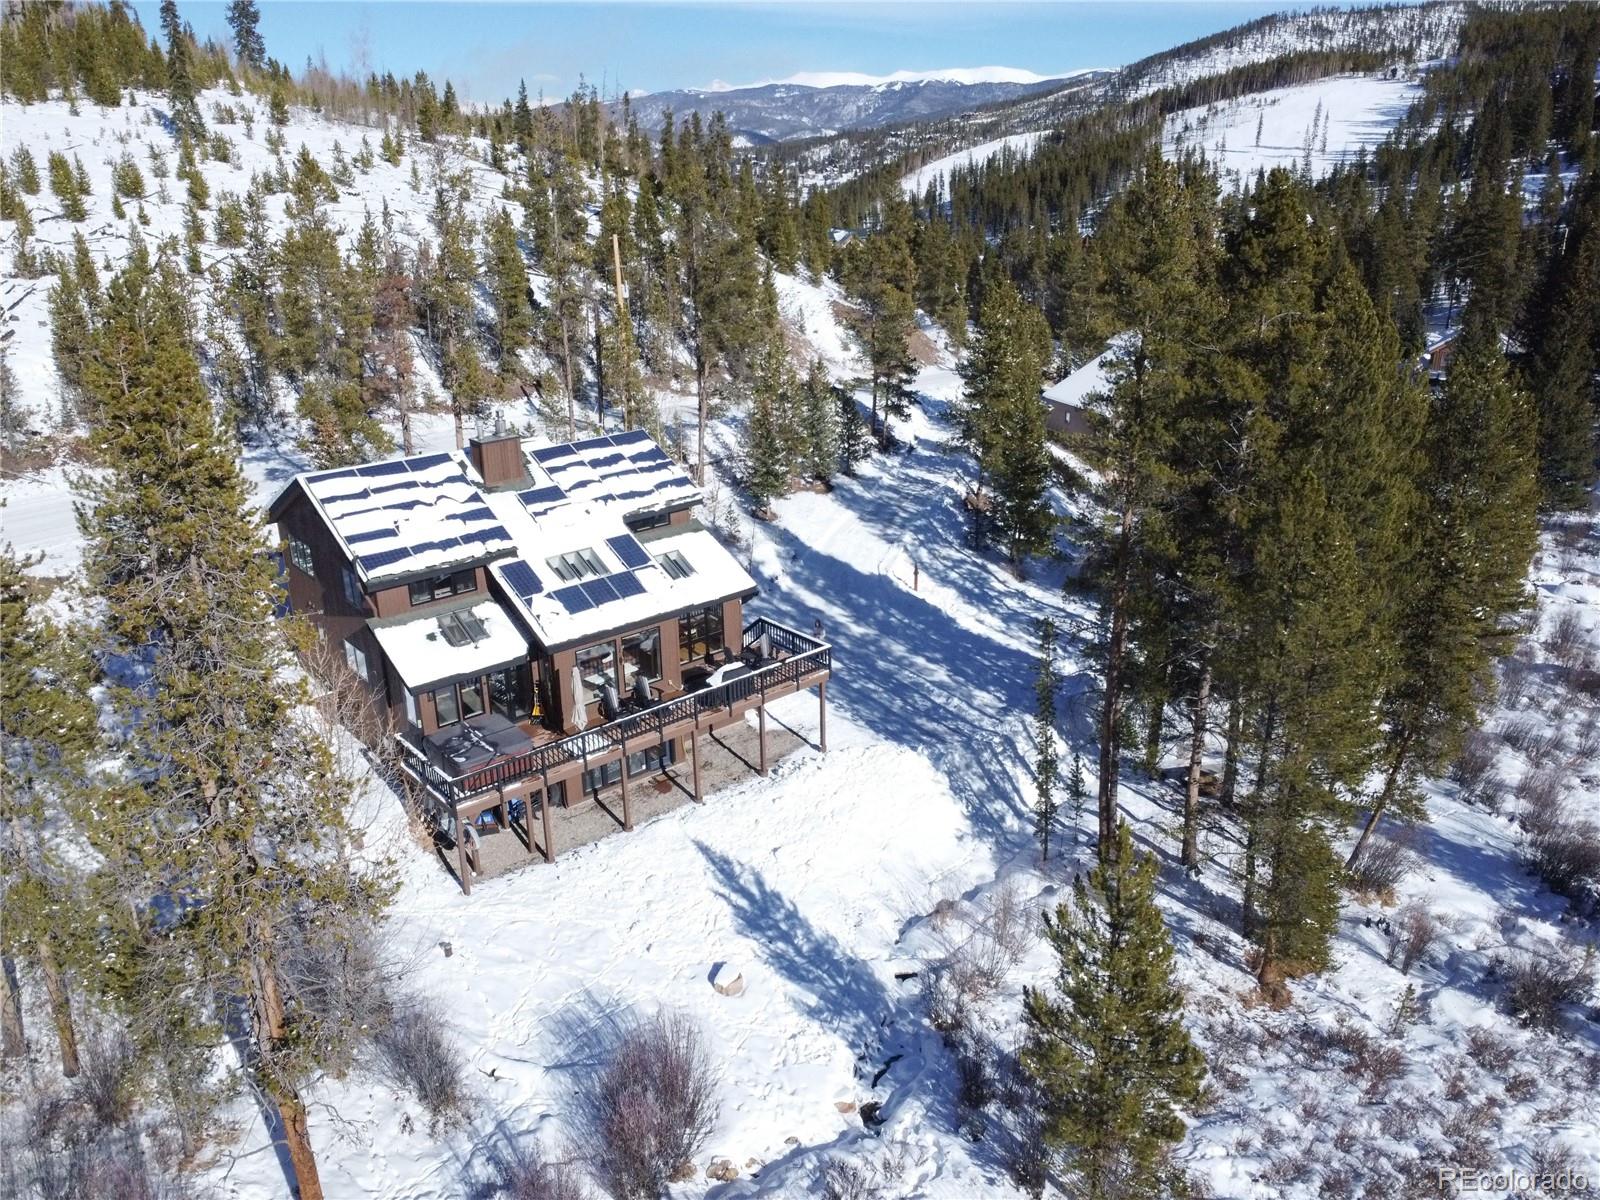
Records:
x=442, y=587
x=575, y=565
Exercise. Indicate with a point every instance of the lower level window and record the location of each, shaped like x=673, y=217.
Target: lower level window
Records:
x=458, y=702
x=643, y=763
x=356, y=659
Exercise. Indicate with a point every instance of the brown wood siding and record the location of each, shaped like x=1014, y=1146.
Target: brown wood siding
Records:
x=498, y=460
x=396, y=601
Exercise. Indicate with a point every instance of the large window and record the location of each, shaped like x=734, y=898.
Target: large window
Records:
x=576, y=564
x=509, y=690
x=699, y=633
x=300, y=555
x=597, y=667
x=356, y=659
x=441, y=587
x=641, y=655
x=458, y=702
x=645, y=762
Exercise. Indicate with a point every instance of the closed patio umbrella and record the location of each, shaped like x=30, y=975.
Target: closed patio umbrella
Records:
x=580, y=710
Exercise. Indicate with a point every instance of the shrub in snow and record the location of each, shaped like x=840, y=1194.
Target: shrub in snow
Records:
x=1012, y=923
x=1412, y=934
x=526, y=1175
x=1568, y=640
x=653, y=1106
x=417, y=1056
x=1563, y=845
x=107, y=1081
x=1540, y=986
x=1475, y=761
x=1381, y=868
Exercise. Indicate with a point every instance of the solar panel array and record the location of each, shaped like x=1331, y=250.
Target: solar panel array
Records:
x=626, y=468
x=521, y=580
x=409, y=513
x=592, y=593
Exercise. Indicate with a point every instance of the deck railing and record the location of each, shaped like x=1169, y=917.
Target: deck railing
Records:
x=804, y=656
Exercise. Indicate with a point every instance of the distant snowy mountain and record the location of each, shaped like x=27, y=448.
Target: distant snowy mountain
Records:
x=821, y=103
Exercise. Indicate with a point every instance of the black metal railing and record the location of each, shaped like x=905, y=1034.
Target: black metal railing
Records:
x=797, y=656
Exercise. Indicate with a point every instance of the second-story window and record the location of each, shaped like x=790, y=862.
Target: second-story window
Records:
x=575, y=565
x=440, y=587
x=352, y=589
x=300, y=556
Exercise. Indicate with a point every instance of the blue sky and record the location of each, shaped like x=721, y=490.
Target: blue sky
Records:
x=655, y=45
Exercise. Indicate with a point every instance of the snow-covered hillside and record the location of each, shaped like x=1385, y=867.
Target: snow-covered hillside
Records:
x=938, y=171
x=1323, y=123
x=839, y=883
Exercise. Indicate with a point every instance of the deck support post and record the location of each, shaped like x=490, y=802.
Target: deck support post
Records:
x=627, y=804
x=761, y=734
x=462, y=869
x=822, y=715
x=694, y=758
x=544, y=818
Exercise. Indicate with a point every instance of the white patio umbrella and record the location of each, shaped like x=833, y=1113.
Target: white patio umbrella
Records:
x=580, y=710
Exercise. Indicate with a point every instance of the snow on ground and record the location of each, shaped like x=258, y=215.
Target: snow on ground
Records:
x=938, y=171
x=1356, y=111
x=819, y=882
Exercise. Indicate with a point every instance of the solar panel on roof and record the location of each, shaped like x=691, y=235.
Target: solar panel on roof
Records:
x=573, y=598
x=426, y=461
x=371, y=535
x=481, y=513
x=605, y=460
x=386, y=468
x=599, y=590
x=629, y=437
x=374, y=562
x=627, y=584
x=551, y=453
x=520, y=578
x=494, y=533
x=628, y=550
x=320, y=476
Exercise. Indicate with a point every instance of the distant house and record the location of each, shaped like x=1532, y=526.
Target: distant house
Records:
x=1068, y=400
x=1438, y=353
x=841, y=237
x=538, y=623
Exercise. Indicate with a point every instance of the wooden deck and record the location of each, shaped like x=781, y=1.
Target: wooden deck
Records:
x=794, y=663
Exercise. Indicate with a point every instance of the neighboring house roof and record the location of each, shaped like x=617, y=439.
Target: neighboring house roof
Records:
x=1087, y=381
x=407, y=517
x=436, y=646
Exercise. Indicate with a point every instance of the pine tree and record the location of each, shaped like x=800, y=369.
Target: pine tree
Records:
x=767, y=457
x=1002, y=419
x=1108, y=1049
x=244, y=18
x=1561, y=373
x=855, y=439
x=230, y=796
x=1077, y=793
x=1463, y=578
x=181, y=91
x=818, y=425
x=507, y=277
x=48, y=727
x=27, y=171
x=1046, y=767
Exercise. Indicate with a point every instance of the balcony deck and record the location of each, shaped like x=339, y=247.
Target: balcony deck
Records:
x=783, y=661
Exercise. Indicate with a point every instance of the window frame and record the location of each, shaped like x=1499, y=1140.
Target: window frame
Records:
x=636, y=638
x=301, y=555
x=695, y=627
x=458, y=583
x=610, y=657
x=357, y=661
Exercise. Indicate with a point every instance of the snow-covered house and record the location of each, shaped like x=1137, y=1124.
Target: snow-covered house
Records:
x=535, y=621
x=1068, y=400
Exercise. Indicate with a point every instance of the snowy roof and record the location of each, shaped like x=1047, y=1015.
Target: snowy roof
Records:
x=405, y=516
x=627, y=470
x=438, y=645
x=1083, y=383
x=632, y=590
x=413, y=515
